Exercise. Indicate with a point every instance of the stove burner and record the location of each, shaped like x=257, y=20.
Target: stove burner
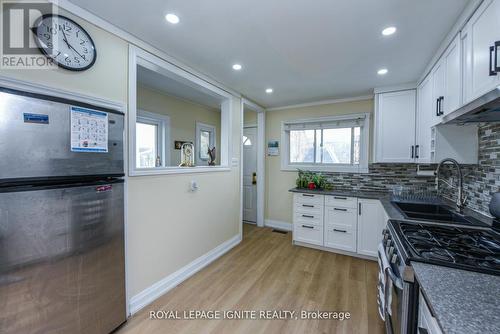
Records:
x=472, y=249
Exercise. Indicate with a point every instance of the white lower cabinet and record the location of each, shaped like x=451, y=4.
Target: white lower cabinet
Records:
x=427, y=323
x=346, y=224
x=341, y=228
x=370, y=225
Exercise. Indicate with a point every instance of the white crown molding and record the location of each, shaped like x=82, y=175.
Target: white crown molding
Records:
x=109, y=27
x=278, y=225
x=150, y=294
x=323, y=102
x=395, y=88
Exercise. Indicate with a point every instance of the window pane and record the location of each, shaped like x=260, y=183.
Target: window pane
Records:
x=146, y=141
x=301, y=146
x=356, y=153
x=204, y=144
x=337, y=146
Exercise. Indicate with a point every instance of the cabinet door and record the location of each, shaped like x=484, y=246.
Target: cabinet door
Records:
x=438, y=90
x=453, y=77
x=425, y=117
x=395, y=126
x=481, y=33
x=371, y=222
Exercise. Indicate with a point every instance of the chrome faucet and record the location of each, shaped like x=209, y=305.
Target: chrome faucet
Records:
x=460, y=198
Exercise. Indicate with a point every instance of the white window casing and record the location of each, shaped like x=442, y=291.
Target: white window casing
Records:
x=332, y=122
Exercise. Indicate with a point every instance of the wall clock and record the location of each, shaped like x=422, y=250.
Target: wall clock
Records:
x=65, y=42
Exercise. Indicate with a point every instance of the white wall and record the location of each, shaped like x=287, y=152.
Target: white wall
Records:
x=167, y=226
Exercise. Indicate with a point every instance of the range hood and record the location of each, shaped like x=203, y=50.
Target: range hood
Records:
x=483, y=109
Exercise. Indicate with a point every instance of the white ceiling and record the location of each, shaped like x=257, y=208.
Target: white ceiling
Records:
x=305, y=50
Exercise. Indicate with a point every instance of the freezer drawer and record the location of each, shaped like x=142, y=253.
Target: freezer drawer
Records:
x=35, y=138
x=62, y=260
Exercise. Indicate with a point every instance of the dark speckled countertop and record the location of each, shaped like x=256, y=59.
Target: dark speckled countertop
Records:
x=462, y=301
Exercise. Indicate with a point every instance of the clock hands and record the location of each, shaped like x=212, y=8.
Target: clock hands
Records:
x=65, y=39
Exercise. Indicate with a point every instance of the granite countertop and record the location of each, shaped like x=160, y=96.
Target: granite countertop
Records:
x=462, y=301
x=346, y=193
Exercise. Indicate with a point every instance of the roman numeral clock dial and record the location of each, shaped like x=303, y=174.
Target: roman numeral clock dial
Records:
x=65, y=42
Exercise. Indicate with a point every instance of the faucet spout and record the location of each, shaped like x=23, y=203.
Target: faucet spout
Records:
x=460, y=198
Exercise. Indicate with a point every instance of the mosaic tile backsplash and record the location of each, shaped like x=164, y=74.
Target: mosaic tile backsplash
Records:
x=480, y=181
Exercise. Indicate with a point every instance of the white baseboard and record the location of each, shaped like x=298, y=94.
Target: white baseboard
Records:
x=278, y=225
x=161, y=287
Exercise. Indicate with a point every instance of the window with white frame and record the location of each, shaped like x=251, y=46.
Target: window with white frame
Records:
x=205, y=139
x=152, y=140
x=336, y=144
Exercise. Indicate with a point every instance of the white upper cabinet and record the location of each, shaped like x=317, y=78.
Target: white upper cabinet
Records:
x=452, y=62
x=480, y=54
x=425, y=119
x=395, y=126
x=438, y=75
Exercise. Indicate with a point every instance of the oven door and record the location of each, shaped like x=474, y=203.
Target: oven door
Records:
x=395, y=308
x=392, y=300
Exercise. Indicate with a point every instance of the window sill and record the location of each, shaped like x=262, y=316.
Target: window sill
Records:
x=178, y=170
x=326, y=169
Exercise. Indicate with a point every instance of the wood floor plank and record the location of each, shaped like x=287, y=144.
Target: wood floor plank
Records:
x=266, y=272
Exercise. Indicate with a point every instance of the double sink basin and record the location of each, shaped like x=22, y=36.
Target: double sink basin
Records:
x=434, y=213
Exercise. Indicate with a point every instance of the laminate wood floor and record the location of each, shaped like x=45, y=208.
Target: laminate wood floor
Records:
x=266, y=272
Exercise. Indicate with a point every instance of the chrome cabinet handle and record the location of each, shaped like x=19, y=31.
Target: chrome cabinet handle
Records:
x=492, y=69
x=497, y=65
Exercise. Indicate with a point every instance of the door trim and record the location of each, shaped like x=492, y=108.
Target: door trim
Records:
x=261, y=120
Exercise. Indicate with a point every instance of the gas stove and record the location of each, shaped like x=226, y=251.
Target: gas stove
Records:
x=459, y=247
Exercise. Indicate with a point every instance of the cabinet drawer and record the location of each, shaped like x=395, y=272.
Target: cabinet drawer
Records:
x=308, y=218
x=313, y=209
x=341, y=201
x=340, y=236
x=342, y=216
x=309, y=233
x=303, y=198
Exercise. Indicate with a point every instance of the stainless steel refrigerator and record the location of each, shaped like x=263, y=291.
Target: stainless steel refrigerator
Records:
x=62, y=267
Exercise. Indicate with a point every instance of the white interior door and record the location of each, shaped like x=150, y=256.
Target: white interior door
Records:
x=250, y=174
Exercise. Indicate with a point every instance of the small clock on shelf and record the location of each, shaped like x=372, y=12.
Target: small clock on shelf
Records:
x=65, y=42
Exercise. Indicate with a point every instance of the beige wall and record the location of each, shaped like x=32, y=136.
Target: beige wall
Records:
x=250, y=117
x=183, y=117
x=167, y=226
x=278, y=199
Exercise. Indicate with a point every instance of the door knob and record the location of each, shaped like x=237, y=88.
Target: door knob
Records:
x=254, y=178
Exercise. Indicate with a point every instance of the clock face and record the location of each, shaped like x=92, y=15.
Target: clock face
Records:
x=65, y=41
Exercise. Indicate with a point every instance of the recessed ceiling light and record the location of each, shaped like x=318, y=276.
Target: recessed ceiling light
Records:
x=269, y=90
x=382, y=71
x=172, y=18
x=389, y=31
x=237, y=67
